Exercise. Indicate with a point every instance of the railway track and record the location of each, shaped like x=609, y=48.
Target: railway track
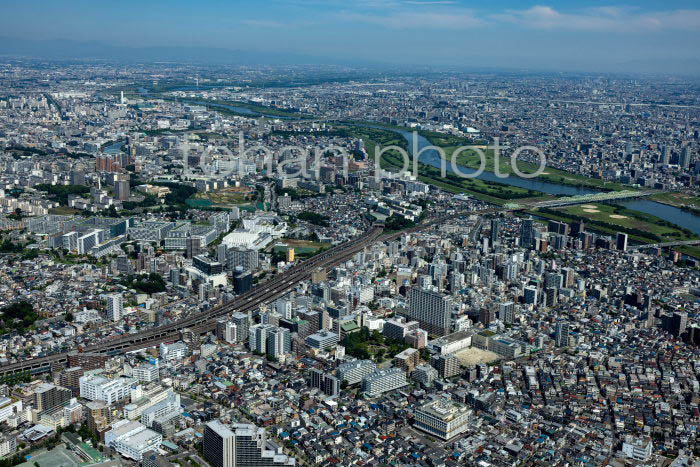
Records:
x=205, y=322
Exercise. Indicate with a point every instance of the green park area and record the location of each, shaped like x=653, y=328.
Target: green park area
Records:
x=391, y=160
x=18, y=316
x=610, y=219
x=364, y=344
x=472, y=159
x=225, y=197
x=302, y=248
x=684, y=201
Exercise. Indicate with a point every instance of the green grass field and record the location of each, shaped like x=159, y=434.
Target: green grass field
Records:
x=392, y=161
x=473, y=160
x=610, y=219
x=680, y=200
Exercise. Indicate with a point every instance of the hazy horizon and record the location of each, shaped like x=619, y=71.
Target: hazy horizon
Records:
x=652, y=36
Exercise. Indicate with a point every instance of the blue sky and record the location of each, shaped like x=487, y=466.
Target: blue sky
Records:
x=567, y=35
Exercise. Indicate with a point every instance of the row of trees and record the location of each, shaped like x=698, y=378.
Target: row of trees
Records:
x=61, y=192
x=18, y=316
x=145, y=283
x=358, y=345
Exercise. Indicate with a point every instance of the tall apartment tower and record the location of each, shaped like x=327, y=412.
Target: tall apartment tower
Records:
x=621, y=241
x=242, y=324
x=495, y=230
x=527, y=233
x=562, y=334
x=431, y=309
x=115, y=307
x=241, y=445
x=219, y=444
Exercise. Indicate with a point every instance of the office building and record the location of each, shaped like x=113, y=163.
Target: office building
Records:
x=175, y=351
x=246, y=258
x=621, y=241
x=443, y=418
x=193, y=246
x=146, y=373
x=226, y=331
x=122, y=190
x=322, y=340
x=679, y=323
x=132, y=439
x=639, y=449
x=327, y=384
x=242, y=281
x=530, y=295
x=9, y=406
x=95, y=387
x=506, y=312
x=164, y=407
x=257, y=340
x=218, y=444
x=504, y=347
x=527, y=233
x=241, y=445
x=398, y=328
x=495, y=231
x=279, y=342
x=486, y=316
x=143, y=398
x=207, y=265
x=8, y=444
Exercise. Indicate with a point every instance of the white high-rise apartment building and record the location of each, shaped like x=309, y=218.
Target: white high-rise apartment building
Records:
x=115, y=307
x=431, y=309
x=94, y=387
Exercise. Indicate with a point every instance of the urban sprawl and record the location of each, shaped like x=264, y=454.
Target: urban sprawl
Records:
x=166, y=299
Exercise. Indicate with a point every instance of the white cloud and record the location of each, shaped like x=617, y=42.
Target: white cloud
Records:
x=429, y=2
x=604, y=19
x=461, y=19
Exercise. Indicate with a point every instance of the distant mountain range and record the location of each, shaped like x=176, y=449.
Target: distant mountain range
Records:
x=62, y=49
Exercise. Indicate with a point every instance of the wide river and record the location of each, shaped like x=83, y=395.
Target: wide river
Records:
x=669, y=213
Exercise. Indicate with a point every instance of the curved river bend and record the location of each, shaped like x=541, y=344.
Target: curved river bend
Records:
x=668, y=213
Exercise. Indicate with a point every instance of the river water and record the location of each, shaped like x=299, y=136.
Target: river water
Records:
x=671, y=214
x=234, y=108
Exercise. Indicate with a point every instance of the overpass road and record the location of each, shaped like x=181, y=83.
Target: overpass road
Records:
x=663, y=245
